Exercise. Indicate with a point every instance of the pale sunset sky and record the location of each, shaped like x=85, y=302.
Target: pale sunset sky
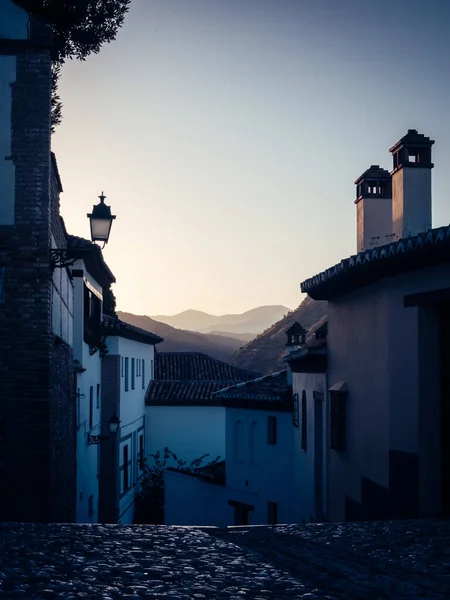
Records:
x=227, y=134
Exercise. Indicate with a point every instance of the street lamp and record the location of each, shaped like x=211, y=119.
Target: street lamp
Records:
x=113, y=424
x=100, y=220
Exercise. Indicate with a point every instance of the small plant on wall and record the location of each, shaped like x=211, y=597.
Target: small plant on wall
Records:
x=150, y=498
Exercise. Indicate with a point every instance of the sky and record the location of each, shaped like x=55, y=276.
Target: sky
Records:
x=227, y=136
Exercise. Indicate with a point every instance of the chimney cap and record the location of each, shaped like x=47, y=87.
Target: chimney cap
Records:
x=374, y=172
x=296, y=328
x=412, y=138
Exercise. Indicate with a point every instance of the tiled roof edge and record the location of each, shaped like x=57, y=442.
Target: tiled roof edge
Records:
x=382, y=256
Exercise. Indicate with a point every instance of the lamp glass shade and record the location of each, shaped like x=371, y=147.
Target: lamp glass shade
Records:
x=100, y=229
x=114, y=423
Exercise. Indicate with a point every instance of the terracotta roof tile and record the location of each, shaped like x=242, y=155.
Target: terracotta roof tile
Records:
x=268, y=392
x=190, y=379
x=187, y=366
x=112, y=327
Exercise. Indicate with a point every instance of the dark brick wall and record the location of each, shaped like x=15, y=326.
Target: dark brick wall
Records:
x=109, y=483
x=62, y=434
x=35, y=375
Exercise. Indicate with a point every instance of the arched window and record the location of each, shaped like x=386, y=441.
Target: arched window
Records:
x=254, y=443
x=239, y=441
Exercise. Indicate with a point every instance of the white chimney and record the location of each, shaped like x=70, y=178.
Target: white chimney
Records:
x=373, y=208
x=411, y=185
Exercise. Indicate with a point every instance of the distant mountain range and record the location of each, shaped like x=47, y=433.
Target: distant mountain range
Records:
x=246, y=325
x=219, y=346
x=263, y=353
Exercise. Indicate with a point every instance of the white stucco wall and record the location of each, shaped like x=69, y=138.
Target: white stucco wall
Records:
x=374, y=345
x=13, y=21
x=411, y=201
x=257, y=472
x=189, y=431
x=192, y=501
x=373, y=222
x=131, y=413
x=310, y=508
x=87, y=456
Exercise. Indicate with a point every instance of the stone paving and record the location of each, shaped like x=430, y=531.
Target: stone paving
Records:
x=403, y=560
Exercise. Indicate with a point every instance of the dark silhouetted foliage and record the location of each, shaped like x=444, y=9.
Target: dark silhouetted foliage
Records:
x=80, y=28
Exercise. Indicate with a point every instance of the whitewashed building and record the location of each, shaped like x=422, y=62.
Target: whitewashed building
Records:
x=276, y=436
x=90, y=277
x=388, y=354
x=306, y=357
x=127, y=370
x=182, y=412
x=258, y=483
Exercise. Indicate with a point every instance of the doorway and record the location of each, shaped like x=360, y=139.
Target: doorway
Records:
x=241, y=512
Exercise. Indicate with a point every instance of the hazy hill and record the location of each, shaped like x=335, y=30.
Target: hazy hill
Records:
x=263, y=353
x=252, y=321
x=177, y=340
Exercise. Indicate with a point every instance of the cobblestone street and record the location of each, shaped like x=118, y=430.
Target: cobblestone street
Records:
x=351, y=561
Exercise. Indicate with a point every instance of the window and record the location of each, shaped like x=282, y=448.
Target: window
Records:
x=91, y=407
x=91, y=505
x=272, y=513
x=127, y=384
x=121, y=364
x=254, y=443
x=338, y=421
x=271, y=430
x=133, y=373
x=92, y=314
x=239, y=441
x=98, y=395
x=137, y=367
x=141, y=454
x=126, y=469
x=304, y=424
x=143, y=374
x=295, y=411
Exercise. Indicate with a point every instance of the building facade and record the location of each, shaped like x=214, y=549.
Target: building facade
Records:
x=182, y=412
x=388, y=307
x=306, y=358
x=127, y=370
x=91, y=278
